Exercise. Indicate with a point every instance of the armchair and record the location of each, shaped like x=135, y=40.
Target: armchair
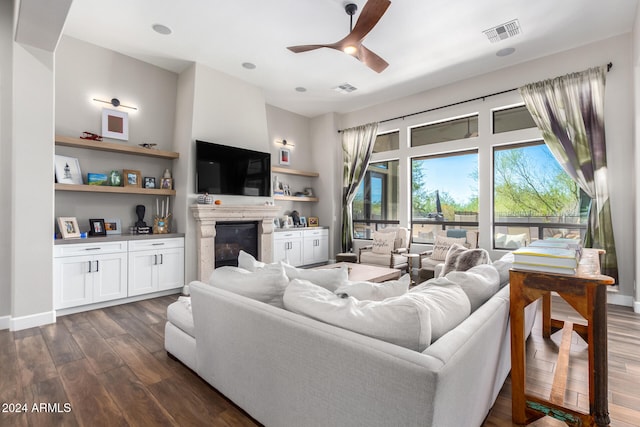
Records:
x=389, y=245
x=430, y=260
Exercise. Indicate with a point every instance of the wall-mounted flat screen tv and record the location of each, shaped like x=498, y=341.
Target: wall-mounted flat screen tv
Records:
x=221, y=169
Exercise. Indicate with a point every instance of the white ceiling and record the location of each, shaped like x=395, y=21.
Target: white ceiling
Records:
x=427, y=43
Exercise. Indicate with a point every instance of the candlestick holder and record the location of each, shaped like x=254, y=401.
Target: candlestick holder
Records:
x=161, y=224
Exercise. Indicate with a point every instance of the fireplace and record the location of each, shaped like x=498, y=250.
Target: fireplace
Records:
x=231, y=238
x=209, y=216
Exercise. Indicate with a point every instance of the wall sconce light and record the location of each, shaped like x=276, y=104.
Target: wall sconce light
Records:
x=285, y=143
x=115, y=102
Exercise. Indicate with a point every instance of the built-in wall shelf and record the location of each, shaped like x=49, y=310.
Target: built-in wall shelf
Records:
x=113, y=147
x=287, y=171
x=296, y=198
x=117, y=190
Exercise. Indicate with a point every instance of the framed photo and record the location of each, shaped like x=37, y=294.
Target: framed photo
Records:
x=303, y=221
x=132, y=178
x=112, y=226
x=285, y=156
x=289, y=222
x=97, y=227
x=276, y=223
x=313, y=221
x=115, y=124
x=166, y=183
x=68, y=170
x=69, y=227
x=149, y=182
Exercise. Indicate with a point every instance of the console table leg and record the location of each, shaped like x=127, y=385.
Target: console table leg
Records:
x=598, y=345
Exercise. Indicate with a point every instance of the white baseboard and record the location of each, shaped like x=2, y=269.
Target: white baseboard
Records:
x=617, y=299
x=79, y=309
x=5, y=322
x=32, y=320
x=636, y=306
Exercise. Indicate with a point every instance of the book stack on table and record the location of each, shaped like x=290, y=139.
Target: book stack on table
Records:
x=549, y=255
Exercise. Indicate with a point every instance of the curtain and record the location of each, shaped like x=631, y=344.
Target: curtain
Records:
x=569, y=110
x=357, y=146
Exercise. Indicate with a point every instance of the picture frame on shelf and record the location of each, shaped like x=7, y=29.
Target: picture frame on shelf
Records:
x=289, y=222
x=68, y=170
x=149, y=182
x=276, y=223
x=285, y=156
x=69, y=227
x=303, y=221
x=113, y=226
x=97, y=227
x=166, y=183
x=132, y=178
x=115, y=124
x=313, y=221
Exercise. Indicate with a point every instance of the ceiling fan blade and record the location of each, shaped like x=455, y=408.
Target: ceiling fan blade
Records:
x=371, y=59
x=307, y=47
x=369, y=17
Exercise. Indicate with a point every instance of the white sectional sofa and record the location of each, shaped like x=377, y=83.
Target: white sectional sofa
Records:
x=286, y=369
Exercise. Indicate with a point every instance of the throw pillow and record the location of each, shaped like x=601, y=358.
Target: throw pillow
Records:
x=248, y=262
x=479, y=283
x=400, y=320
x=375, y=291
x=383, y=243
x=460, y=258
x=503, y=265
x=328, y=278
x=442, y=244
x=266, y=284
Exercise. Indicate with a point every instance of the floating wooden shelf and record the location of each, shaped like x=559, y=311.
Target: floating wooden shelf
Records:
x=113, y=147
x=287, y=171
x=296, y=198
x=116, y=190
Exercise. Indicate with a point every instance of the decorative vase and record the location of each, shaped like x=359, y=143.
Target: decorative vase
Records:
x=166, y=174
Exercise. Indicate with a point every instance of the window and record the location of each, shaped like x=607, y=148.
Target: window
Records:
x=514, y=118
x=387, y=142
x=376, y=202
x=533, y=197
x=444, y=194
x=449, y=130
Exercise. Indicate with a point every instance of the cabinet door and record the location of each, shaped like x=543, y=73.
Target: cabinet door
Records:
x=110, y=277
x=170, y=269
x=143, y=272
x=72, y=282
x=294, y=252
x=316, y=246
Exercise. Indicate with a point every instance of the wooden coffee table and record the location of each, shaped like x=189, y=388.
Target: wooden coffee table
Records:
x=365, y=272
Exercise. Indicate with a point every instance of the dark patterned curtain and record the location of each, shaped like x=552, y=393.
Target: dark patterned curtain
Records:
x=357, y=146
x=569, y=110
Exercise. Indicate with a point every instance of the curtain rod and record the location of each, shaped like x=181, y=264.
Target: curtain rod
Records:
x=609, y=65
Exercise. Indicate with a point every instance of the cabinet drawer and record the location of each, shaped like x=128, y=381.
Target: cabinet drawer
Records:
x=316, y=233
x=77, y=249
x=145, y=245
x=285, y=235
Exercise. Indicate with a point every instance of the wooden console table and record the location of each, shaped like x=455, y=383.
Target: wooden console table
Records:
x=586, y=293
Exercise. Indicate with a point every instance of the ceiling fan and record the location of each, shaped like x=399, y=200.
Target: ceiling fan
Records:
x=352, y=43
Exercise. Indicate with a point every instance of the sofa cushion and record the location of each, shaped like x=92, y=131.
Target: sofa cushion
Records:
x=402, y=320
x=503, y=265
x=375, y=291
x=442, y=244
x=383, y=243
x=447, y=303
x=179, y=314
x=328, y=278
x=479, y=283
x=266, y=284
x=459, y=258
x=248, y=261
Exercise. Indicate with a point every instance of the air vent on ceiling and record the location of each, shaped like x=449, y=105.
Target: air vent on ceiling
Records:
x=503, y=31
x=345, y=88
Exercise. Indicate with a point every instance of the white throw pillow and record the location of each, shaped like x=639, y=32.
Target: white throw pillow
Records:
x=503, y=265
x=375, y=291
x=266, y=284
x=403, y=320
x=479, y=283
x=442, y=244
x=328, y=278
x=383, y=243
x=248, y=262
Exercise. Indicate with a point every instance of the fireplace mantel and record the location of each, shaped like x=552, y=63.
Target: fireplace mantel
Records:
x=206, y=217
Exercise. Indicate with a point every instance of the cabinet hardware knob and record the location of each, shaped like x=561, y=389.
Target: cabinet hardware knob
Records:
x=92, y=249
x=90, y=267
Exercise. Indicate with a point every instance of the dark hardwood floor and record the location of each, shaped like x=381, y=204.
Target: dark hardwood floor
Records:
x=108, y=367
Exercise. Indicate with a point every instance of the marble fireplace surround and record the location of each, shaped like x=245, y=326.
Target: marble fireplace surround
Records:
x=207, y=216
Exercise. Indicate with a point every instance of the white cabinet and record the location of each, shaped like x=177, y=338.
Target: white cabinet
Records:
x=86, y=273
x=315, y=246
x=155, y=265
x=287, y=246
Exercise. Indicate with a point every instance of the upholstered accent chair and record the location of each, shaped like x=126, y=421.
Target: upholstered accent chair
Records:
x=429, y=260
x=389, y=245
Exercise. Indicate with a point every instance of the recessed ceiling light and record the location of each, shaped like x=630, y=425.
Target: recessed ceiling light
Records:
x=161, y=29
x=249, y=65
x=301, y=89
x=506, y=51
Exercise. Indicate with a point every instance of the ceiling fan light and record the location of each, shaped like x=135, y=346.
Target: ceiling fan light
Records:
x=350, y=49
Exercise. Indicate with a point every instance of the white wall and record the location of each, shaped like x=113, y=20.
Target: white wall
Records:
x=636, y=152
x=619, y=128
